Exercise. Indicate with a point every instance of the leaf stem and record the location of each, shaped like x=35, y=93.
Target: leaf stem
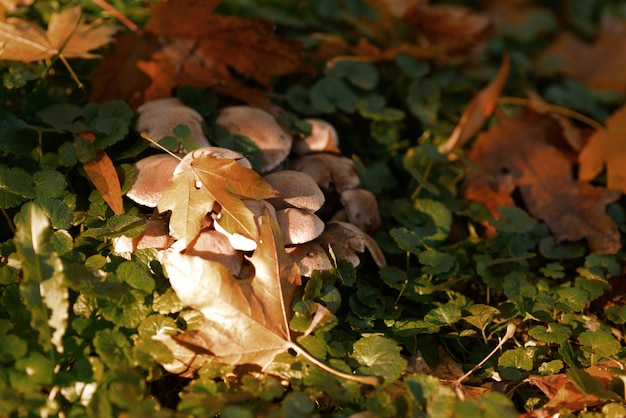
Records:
x=366, y=380
x=9, y=220
x=118, y=15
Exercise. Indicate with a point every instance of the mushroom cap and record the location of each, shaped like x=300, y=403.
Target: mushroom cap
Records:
x=262, y=129
x=361, y=209
x=297, y=189
x=323, y=138
x=212, y=245
x=298, y=226
x=216, y=152
x=309, y=257
x=327, y=169
x=158, y=118
x=154, y=174
x=347, y=240
x=155, y=236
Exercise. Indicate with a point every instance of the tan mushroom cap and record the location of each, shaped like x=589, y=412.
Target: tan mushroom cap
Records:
x=212, y=245
x=216, y=152
x=154, y=174
x=297, y=189
x=155, y=236
x=346, y=240
x=361, y=209
x=298, y=226
x=327, y=169
x=310, y=257
x=262, y=129
x=158, y=118
x=323, y=138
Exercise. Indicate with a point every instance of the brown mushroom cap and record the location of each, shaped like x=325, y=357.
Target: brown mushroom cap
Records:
x=297, y=189
x=327, y=169
x=346, y=240
x=158, y=118
x=309, y=257
x=262, y=129
x=361, y=209
x=323, y=138
x=212, y=245
x=298, y=226
x=154, y=174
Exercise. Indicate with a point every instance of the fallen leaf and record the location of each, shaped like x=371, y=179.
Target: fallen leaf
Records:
x=599, y=65
x=65, y=36
x=606, y=148
x=103, y=175
x=517, y=154
x=478, y=110
x=197, y=185
x=184, y=43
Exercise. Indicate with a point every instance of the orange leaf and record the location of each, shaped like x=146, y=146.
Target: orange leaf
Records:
x=103, y=175
x=478, y=110
x=607, y=147
x=518, y=155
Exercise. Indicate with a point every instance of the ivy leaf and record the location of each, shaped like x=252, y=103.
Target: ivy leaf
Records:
x=196, y=187
x=17, y=185
x=481, y=315
x=379, y=356
x=447, y=314
x=553, y=333
x=599, y=343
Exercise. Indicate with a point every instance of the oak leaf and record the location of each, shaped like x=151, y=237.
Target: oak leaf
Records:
x=65, y=36
x=518, y=155
x=607, y=147
x=198, y=185
x=184, y=43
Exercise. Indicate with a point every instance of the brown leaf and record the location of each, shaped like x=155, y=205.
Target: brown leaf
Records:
x=517, y=155
x=607, y=148
x=184, y=43
x=65, y=36
x=478, y=110
x=600, y=65
x=103, y=175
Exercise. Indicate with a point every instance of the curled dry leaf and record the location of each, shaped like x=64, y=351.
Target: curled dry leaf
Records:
x=158, y=118
x=327, y=170
x=238, y=241
x=103, y=175
x=262, y=129
x=361, y=209
x=347, y=240
x=323, y=138
x=154, y=175
x=296, y=189
x=211, y=245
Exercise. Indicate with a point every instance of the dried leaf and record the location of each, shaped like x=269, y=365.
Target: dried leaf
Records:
x=184, y=43
x=66, y=36
x=103, y=175
x=195, y=188
x=606, y=148
x=518, y=154
x=478, y=110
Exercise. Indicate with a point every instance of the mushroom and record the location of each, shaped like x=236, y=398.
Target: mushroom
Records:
x=212, y=245
x=215, y=152
x=158, y=118
x=327, y=169
x=297, y=189
x=154, y=174
x=346, y=240
x=323, y=138
x=155, y=236
x=298, y=225
x=309, y=257
x=262, y=129
x=361, y=209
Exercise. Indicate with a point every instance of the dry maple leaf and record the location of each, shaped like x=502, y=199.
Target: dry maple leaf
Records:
x=607, y=147
x=184, y=43
x=66, y=36
x=600, y=65
x=247, y=320
x=195, y=188
x=518, y=154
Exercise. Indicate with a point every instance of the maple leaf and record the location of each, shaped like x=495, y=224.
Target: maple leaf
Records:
x=197, y=185
x=65, y=36
x=247, y=320
x=184, y=43
x=606, y=147
x=518, y=154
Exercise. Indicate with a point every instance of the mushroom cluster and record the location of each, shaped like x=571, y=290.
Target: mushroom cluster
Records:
x=307, y=172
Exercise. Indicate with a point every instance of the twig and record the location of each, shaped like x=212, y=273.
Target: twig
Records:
x=118, y=15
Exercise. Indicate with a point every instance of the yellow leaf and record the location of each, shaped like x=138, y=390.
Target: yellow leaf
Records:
x=65, y=36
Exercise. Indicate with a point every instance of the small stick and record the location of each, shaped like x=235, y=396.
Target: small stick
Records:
x=118, y=15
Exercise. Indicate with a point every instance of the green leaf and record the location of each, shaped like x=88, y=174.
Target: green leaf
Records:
x=481, y=315
x=512, y=361
x=447, y=314
x=135, y=275
x=590, y=385
x=64, y=117
x=554, y=333
x=424, y=100
x=430, y=394
x=59, y=213
x=15, y=138
x=244, y=146
x=16, y=185
x=110, y=121
x=515, y=221
x=436, y=262
x=113, y=348
x=412, y=67
x=379, y=356
x=599, y=343
x=297, y=404
x=616, y=314
x=550, y=367
x=330, y=93
x=359, y=73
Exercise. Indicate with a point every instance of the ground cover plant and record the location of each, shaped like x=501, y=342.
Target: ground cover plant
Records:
x=480, y=274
